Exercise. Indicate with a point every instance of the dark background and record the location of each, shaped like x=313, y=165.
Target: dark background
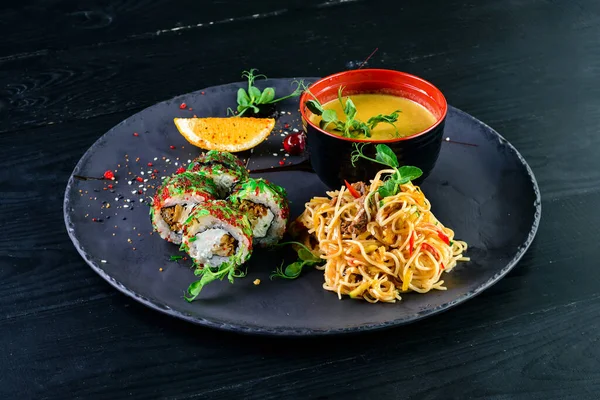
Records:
x=70, y=70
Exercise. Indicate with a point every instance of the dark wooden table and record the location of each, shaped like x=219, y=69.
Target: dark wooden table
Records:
x=70, y=70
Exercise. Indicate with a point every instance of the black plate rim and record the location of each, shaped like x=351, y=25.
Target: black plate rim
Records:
x=308, y=331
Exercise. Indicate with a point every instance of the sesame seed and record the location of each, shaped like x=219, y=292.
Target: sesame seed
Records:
x=129, y=183
x=125, y=206
x=286, y=154
x=189, y=161
x=447, y=139
x=155, y=158
x=167, y=160
x=142, y=173
x=295, y=130
x=141, y=186
x=103, y=261
x=275, y=154
x=116, y=199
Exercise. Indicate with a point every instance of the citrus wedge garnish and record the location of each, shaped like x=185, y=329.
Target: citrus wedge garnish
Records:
x=225, y=134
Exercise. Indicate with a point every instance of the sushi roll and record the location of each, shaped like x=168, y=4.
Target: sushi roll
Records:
x=219, y=240
x=225, y=169
x=174, y=201
x=266, y=207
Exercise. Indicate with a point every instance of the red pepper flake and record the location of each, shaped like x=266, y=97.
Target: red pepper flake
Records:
x=442, y=264
x=136, y=134
x=139, y=179
x=139, y=192
x=182, y=106
x=180, y=170
x=190, y=108
x=155, y=171
x=172, y=147
x=94, y=219
x=281, y=162
x=412, y=243
x=110, y=186
x=149, y=164
x=286, y=126
x=109, y=175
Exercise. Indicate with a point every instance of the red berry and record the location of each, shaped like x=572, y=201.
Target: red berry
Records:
x=183, y=106
x=294, y=143
x=109, y=175
x=180, y=170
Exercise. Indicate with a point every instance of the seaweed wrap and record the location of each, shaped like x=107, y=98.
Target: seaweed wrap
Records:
x=225, y=169
x=266, y=207
x=175, y=200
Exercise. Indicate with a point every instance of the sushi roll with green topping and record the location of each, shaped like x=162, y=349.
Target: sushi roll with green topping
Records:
x=225, y=169
x=266, y=206
x=219, y=240
x=174, y=201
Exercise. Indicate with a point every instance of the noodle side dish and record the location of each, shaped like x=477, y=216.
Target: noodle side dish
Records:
x=379, y=240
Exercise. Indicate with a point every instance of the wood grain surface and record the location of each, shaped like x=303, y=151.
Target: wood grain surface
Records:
x=69, y=71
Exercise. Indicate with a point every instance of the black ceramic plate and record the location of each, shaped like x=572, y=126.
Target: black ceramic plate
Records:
x=486, y=193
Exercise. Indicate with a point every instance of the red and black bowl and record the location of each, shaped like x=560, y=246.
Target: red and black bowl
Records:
x=330, y=154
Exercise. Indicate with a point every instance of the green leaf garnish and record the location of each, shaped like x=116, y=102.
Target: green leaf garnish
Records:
x=175, y=258
x=350, y=127
x=250, y=99
x=385, y=155
x=292, y=271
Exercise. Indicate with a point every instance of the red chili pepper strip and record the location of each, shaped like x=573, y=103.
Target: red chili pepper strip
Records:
x=351, y=189
x=428, y=247
x=445, y=238
x=412, y=244
x=443, y=267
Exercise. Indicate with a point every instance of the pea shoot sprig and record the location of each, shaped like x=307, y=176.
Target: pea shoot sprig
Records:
x=351, y=126
x=385, y=155
x=252, y=98
x=306, y=258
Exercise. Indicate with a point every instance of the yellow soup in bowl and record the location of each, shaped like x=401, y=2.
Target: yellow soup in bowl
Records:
x=412, y=118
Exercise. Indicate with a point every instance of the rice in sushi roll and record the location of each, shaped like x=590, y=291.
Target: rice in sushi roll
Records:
x=266, y=206
x=174, y=201
x=218, y=239
x=225, y=169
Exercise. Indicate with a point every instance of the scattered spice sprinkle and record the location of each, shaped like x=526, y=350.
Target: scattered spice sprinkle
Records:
x=182, y=106
x=256, y=282
x=136, y=134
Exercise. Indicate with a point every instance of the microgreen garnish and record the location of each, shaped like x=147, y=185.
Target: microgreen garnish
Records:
x=350, y=127
x=227, y=269
x=175, y=258
x=253, y=97
x=385, y=156
x=305, y=258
